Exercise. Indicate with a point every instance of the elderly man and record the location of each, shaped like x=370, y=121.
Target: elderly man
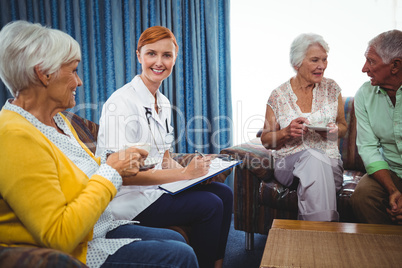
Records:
x=378, y=106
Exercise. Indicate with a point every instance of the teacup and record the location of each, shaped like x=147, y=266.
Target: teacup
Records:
x=144, y=146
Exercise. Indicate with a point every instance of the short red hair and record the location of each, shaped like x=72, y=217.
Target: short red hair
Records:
x=154, y=34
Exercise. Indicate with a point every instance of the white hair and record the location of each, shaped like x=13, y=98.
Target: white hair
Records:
x=388, y=45
x=24, y=45
x=301, y=44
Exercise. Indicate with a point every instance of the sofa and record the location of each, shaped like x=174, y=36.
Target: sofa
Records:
x=15, y=257
x=259, y=198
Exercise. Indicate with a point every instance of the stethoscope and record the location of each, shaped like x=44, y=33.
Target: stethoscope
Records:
x=169, y=137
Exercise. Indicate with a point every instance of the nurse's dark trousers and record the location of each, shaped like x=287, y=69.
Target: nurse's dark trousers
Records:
x=207, y=208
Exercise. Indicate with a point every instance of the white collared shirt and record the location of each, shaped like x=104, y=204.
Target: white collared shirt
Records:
x=124, y=121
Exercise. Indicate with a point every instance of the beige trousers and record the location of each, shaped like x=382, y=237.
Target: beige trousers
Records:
x=370, y=200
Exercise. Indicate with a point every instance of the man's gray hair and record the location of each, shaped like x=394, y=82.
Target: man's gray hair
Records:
x=388, y=45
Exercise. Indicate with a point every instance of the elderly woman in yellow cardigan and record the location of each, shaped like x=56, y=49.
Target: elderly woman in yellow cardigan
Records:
x=53, y=192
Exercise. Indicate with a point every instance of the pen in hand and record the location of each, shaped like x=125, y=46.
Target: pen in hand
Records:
x=199, y=153
x=204, y=164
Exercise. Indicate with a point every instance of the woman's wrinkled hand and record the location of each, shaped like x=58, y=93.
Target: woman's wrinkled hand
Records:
x=199, y=166
x=331, y=134
x=127, y=162
x=297, y=127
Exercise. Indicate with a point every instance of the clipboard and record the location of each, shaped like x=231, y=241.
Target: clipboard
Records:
x=217, y=166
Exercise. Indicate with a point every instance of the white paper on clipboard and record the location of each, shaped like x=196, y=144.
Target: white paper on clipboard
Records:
x=217, y=166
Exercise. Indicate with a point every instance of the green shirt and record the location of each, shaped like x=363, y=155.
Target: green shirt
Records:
x=379, y=129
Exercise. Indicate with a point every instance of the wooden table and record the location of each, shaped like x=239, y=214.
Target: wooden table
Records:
x=333, y=230
x=343, y=227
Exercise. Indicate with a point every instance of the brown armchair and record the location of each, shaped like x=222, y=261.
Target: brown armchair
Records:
x=259, y=198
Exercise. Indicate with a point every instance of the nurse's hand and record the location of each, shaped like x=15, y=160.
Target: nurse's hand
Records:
x=127, y=162
x=199, y=166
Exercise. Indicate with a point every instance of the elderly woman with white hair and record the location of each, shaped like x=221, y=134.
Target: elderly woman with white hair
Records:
x=54, y=193
x=304, y=118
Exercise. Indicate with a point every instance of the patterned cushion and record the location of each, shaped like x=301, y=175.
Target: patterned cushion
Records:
x=347, y=145
x=86, y=130
x=18, y=257
x=255, y=157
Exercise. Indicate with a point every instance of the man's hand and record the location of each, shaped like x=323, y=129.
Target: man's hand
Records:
x=395, y=210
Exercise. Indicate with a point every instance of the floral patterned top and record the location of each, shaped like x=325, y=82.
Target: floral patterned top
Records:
x=323, y=111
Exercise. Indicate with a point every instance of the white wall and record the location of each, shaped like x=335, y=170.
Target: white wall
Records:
x=261, y=34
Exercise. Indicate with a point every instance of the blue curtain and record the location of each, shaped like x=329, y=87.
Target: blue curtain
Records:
x=108, y=30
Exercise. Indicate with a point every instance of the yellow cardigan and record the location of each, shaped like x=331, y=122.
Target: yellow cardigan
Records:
x=45, y=199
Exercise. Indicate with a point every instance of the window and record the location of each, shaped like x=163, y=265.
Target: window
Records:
x=261, y=34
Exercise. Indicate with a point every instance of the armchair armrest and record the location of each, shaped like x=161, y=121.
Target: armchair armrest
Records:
x=275, y=195
x=256, y=159
x=37, y=257
x=258, y=162
x=257, y=167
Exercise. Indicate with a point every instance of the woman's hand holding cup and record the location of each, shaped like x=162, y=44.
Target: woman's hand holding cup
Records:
x=127, y=162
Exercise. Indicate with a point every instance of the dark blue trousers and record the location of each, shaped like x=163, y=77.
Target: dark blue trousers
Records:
x=207, y=208
x=158, y=248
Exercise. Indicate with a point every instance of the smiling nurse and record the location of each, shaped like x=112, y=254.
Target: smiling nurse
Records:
x=139, y=113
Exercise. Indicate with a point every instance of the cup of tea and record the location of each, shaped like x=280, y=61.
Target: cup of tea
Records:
x=144, y=146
